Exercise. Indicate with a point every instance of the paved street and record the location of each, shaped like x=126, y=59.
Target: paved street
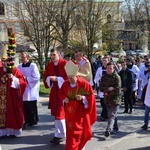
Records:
x=129, y=137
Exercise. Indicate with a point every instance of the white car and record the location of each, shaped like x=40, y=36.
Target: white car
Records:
x=130, y=52
x=140, y=52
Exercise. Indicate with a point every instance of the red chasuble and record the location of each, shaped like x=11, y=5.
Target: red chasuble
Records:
x=11, y=104
x=78, y=118
x=0, y=63
x=56, y=107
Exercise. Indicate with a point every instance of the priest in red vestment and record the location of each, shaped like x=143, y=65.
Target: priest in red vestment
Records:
x=12, y=86
x=80, y=108
x=54, y=76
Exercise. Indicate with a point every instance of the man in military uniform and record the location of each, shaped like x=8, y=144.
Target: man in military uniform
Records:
x=111, y=86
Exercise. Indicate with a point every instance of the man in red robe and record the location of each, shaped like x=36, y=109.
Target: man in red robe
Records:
x=12, y=86
x=54, y=76
x=80, y=108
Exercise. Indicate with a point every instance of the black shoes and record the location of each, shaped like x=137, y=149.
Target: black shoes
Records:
x=25, y=125
x=130, y=112
x=115, y=131
x=31, y=124
x=56, y=140
x=107, y=133
x=125, y=111
x=144, y=127
x=103, y=119
x=12, y=136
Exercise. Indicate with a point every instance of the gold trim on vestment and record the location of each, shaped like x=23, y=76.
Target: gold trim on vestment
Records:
x=3, y=102
x=70, y=109
x=70, y=125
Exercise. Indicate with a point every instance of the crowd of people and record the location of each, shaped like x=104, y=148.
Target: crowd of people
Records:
x=73, y=84
x=134, y=73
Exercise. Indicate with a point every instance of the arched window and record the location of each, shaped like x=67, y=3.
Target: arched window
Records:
x=2, y=9
x=108, y=18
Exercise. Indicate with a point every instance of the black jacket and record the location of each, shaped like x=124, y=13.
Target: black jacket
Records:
x=129, y=81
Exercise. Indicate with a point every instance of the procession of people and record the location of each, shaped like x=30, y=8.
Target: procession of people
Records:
x=73, y=84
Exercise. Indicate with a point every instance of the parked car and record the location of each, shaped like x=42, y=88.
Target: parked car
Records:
x=115, y=55
x=130, y=52
x=140, y=52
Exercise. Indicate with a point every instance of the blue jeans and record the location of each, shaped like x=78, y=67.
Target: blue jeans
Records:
x=146, y=117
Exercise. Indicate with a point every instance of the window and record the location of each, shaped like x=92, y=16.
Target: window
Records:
x=9, y=31
x=108, y=18
x=16, y=9
x=130, y=46
x=26, y=32
x=2, y=10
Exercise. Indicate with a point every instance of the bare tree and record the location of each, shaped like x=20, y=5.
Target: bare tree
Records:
x=139, y=14
x=50, y=22
x=47, y=23
x=94, y=16
x=110, y=36
x=35, y=18
x=65, y=21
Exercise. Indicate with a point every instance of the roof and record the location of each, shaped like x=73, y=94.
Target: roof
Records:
x=22, y=48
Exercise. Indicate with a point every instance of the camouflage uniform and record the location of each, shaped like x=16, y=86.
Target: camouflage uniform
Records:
x=111, y=97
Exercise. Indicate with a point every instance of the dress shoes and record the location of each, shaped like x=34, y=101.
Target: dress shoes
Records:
x=24, y=126
x=125, y=111
x=103, y=119
x=11, y=136
x=115, y=131
x=130, y=112
x=107, y=133
x=144, y=127
x=56, y=140
x=31, y=124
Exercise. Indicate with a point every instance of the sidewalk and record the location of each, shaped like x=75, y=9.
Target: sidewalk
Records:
x=129, y=137
x=135, y=141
